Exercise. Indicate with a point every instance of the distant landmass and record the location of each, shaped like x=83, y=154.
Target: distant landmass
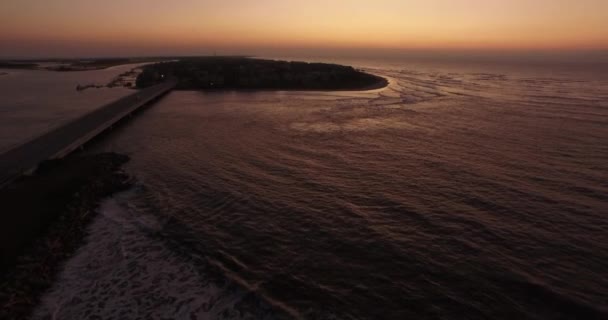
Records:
x=231, y=73
x=64, y=65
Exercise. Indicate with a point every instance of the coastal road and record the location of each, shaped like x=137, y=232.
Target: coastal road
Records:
x=63, y=140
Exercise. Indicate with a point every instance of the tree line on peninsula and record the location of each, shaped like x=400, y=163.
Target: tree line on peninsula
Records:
x=232, y=73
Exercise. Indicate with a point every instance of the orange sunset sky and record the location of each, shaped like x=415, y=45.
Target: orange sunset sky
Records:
x=70, y=27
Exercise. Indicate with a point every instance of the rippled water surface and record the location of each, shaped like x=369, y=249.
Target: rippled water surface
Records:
x=456, y=193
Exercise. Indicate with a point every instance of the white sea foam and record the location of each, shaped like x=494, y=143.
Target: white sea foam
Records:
x=124, y=272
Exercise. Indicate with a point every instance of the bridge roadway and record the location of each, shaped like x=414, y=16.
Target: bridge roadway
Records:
x=61, y=141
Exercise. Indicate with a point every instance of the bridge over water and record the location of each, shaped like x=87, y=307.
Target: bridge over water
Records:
x=63, y=140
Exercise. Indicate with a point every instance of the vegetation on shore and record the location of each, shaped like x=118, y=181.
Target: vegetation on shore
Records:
x=45, y=223
x=17, y=65
x=228, y=73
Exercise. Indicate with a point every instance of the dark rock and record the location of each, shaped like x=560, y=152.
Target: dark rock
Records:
x=45, y=221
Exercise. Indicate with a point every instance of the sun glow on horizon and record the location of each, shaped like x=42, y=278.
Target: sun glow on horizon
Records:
x=188, y=26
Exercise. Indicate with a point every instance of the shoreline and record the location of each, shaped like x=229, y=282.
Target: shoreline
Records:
x=154, y=265
x=54, y=205
x=382, y=83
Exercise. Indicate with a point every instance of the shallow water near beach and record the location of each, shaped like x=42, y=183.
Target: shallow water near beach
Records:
x=461, y=191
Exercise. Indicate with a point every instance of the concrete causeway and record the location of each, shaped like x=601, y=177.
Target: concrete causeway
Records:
x=61, y=141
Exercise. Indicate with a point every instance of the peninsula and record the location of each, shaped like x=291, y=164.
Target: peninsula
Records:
x=241, y=73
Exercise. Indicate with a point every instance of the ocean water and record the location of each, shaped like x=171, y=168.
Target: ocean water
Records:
x=464, y=190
